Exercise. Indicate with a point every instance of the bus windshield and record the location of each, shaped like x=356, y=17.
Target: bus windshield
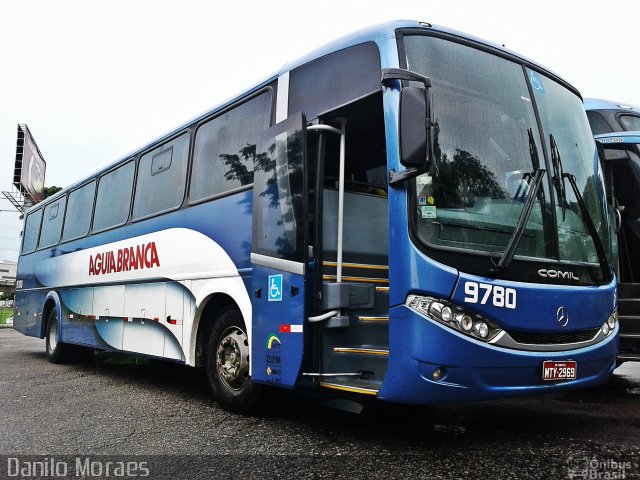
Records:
x=488, y=148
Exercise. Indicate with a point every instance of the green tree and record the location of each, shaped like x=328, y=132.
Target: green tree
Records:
x=7, y=296
x=48, y=191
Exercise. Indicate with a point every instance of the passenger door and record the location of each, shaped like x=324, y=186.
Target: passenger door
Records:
x=279, y=254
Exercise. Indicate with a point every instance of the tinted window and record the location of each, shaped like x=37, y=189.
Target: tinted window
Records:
x=630, y=122
x=79, y=209
x=52, y=223
x=31, y=231
x=598, y=124
x=334, y=80
x=278, y=193
x=474, y=193
x=162, y=177
x=225, y=148
x=114, y=197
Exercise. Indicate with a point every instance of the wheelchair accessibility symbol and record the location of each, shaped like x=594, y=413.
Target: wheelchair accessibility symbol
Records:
x=275, y=288
x=536, y=81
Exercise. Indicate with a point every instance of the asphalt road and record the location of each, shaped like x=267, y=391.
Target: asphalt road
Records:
x=161, y=412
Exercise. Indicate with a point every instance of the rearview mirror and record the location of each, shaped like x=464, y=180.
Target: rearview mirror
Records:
x=413, y=127
x=415, y=123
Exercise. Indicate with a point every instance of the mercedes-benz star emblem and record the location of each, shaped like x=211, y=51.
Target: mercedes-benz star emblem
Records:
x=562, y=317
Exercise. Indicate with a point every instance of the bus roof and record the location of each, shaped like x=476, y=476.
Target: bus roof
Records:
x=379, y=34
x=601, y=104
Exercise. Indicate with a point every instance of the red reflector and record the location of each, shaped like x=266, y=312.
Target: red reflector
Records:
x=173, y=322
x=155, y=319
x=285, y=328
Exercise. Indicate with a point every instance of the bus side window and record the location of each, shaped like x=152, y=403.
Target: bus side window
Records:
x=335, y=80
x=79, y=210
x=52, y=223
x=114, y=197
x=31, y=231
x=162, y=175
x=598, y=123
x=225, y=148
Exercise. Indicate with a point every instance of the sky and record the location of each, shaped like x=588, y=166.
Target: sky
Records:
x=95, y=80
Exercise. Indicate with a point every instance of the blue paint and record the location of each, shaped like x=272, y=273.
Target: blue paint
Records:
x=276, y=361
x=474, y=370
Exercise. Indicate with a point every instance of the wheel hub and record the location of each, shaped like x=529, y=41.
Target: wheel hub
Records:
x=232, y=358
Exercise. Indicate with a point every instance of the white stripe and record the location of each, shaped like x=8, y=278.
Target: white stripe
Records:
x=296, y=328
x=282, y=100
x=182, y=253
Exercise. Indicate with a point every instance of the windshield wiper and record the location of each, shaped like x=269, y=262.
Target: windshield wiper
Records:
x=586, y=218
x=512, y=245
x=558, y=175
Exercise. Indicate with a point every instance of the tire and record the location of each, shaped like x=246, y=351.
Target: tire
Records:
x=227, y=365
x=55, y=348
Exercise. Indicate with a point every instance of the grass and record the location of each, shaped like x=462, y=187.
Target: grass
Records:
x=5, y=312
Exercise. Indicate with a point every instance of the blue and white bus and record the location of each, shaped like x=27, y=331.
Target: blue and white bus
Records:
x=409, y=213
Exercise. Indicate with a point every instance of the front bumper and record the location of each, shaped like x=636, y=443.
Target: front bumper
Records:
x=474, y=370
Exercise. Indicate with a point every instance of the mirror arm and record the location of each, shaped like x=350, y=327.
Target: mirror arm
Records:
x=399, y=177
x=391, y=74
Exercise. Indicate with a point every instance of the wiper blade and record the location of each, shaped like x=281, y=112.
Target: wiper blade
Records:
x=558, y=175
x=510, y=250
x=602, y=256
x=536, y=180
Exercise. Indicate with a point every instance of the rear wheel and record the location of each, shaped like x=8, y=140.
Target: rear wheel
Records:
x=55, y=348
x=228, y=357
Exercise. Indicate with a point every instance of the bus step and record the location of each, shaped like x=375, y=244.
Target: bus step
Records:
x=625, y=357
x=357, y=279
x=380, y=319
x=364, y=351
x=629, y=324
x=362, y=389
x=628, y=306
x=630, y=335
x=628, y=290
x=359, y=266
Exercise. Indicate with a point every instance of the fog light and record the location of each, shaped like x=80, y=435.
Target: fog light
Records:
x=466, y=322
x=605, y=329
x=447, y=314
x=481, y=329
x=437, y=374
x=611, y=321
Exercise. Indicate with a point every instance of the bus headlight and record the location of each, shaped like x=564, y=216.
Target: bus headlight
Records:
x=453, y=316
x=609, y=326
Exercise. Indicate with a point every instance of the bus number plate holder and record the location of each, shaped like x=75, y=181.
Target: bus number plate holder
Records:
x=554, y=371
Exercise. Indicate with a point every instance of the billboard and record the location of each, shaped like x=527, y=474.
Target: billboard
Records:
x=30, y=167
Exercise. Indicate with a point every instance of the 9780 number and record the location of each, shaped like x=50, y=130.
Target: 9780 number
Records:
x=483, y=292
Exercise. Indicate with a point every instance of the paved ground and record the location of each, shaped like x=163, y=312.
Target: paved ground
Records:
x=107, y=406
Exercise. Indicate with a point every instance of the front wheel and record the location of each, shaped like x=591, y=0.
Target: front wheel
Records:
x=228, y=357
x=55, y=348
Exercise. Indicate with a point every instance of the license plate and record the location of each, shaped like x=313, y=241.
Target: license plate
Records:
x=552, y=370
